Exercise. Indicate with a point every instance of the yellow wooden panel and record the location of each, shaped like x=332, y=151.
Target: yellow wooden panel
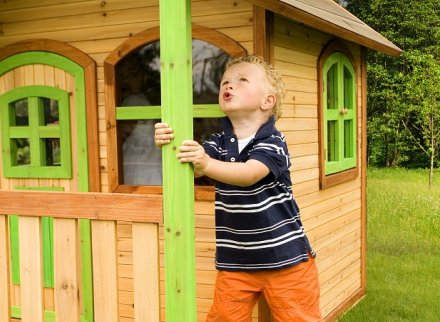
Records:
x=105, y=286
x=341, y=227
x=302, y=176
x=332, y=192
x=4, y=269
x=146, y=272
x=19, y=76
x=305, y=124
x=66, y=270
x=340, y=293
x=295, y=57
x=294, y=30
x=339, y=267
x=31, y=269
x=28, y=75
x=323, y=210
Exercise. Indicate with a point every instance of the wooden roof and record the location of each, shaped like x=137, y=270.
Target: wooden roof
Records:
x=329, y=17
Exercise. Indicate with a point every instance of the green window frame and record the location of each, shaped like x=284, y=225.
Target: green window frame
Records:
x=339, y=114
x=122, y=115
x=36, y=131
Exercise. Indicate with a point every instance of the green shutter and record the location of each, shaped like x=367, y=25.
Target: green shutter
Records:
x=339, y=114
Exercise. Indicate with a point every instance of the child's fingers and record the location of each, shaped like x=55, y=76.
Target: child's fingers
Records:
x=163, y=134
x=160, y=125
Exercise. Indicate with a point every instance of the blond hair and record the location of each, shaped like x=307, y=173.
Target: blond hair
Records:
x=276, y=84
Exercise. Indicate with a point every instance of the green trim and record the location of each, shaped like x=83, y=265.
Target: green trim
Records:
x=339, y=114
x=207, y=110
x=77, y=71
x=178, y=179
x=138, y=112
x=154, y=112
x=36, y=131
x=15, y=249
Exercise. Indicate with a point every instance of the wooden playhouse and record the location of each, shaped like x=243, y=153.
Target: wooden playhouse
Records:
x=90, y=229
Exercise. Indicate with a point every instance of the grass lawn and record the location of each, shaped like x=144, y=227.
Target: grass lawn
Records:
x=403, y=254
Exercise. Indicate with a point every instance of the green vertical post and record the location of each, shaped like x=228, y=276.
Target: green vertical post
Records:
x=178, y=179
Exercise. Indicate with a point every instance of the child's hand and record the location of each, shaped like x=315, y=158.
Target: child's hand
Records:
x=163, y=134
x=192, y=151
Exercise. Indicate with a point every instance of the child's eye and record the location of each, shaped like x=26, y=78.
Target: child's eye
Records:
x=224, y=83
x=243, y=79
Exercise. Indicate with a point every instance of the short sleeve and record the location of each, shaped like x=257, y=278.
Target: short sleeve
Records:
x=272, y=152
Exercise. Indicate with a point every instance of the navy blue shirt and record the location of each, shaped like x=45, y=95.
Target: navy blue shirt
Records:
x=257, y=227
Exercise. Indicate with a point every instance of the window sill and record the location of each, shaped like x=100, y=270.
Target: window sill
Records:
x=338, y=178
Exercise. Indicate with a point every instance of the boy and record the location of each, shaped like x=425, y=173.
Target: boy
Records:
x=260, y=241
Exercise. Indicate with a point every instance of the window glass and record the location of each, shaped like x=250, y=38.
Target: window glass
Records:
x=348, y=89
x=348, y=139
x=332, y=140
x=51, y=114
x=52, y=152
x=332, y=87
x=22, y=152
x=138, y=84
x=21, y=112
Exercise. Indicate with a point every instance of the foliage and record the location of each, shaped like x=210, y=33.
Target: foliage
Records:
x=403, y=248
x=397, y=96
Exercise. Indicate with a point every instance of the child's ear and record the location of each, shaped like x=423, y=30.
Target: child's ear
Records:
x=269, y=102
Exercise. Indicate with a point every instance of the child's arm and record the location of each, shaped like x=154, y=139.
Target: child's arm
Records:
x=235, y=173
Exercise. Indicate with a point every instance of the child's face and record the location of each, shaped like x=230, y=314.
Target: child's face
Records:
x=243, y=89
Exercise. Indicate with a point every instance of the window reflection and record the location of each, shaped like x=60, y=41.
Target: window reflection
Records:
x=138, y=84
x=51, y=114
x=22, y=152
x=20, y=110
x=52, y=152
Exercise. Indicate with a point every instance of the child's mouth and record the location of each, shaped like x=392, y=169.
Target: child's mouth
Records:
x=227, y=95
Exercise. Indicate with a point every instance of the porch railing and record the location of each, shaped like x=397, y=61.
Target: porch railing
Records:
x=103, y=210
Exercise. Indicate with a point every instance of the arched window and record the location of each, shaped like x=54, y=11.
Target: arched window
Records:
x=137, y=103
x=338, y=116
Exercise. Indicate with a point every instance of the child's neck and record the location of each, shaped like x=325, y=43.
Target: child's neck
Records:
x=245, y=128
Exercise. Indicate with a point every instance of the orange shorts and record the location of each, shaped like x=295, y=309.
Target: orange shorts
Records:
x=292, y=294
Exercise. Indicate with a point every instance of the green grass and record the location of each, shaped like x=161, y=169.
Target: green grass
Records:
x=403, y=254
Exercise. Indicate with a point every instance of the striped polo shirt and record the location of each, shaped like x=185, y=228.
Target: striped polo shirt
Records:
x=257, y=227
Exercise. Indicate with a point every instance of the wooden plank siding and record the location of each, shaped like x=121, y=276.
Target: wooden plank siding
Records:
x=332, y=217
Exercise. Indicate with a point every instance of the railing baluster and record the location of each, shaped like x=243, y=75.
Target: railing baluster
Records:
x=5, y=310
x=66, y=262
x=146, y=272
x=31, y=275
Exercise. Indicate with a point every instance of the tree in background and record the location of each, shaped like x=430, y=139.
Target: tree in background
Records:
x=403, y=92
x=423, y=96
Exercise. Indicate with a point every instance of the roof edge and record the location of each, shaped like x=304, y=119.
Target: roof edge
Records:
x=379, y=42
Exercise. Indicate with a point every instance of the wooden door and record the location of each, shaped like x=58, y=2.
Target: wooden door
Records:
x=44, y=147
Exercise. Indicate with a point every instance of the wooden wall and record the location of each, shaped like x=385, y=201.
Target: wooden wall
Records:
x=332, y=217
x=97, y=27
